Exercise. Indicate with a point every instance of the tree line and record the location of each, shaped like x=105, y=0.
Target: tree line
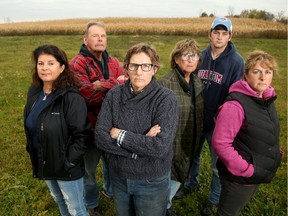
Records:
x=253, y=14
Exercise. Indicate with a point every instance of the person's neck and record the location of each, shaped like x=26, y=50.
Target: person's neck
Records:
x=98, y=56
x=187, y=77
x=47, y=88
x=216, y=52
x=136, y=90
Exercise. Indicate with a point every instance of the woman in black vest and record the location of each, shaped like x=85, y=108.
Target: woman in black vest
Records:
x=246, y=135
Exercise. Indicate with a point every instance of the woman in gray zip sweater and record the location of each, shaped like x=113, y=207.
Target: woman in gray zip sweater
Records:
x=136, y=127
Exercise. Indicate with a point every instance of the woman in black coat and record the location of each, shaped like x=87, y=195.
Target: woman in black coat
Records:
x=56, y=127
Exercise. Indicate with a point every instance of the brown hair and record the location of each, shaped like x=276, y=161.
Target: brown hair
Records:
x=149, y=50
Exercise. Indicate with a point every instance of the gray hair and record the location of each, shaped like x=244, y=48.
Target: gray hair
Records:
x=94, y=23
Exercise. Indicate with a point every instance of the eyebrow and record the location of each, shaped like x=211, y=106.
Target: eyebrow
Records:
x=49, y=60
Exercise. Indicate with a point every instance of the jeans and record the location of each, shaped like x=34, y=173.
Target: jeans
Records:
x=107, y=182
x=91, y=189
x=174, y=186
x=69, y=196
x=192, y=182
x=140, y=197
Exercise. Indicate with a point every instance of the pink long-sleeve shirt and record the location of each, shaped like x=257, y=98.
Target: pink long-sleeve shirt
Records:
x=230, y=119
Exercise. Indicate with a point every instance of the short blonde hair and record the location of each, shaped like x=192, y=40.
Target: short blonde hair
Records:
x=184, y=46
x=266, y=60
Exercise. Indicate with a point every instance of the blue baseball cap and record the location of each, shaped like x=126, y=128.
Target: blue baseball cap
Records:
x=222, y=21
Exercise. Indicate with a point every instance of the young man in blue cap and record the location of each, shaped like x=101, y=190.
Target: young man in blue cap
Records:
x=221, y=66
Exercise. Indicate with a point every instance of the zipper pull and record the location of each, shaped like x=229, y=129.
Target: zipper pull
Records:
x=42, y=127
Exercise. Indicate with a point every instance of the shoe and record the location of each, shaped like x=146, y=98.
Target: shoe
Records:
x=183, y=192
x=94, y=212
x=209, y=209
x=170, y=212
x=104, y=192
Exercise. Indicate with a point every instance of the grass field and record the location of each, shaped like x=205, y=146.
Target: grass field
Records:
x=20, y=194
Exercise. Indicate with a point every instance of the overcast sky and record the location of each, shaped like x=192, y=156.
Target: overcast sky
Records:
x=34, y=10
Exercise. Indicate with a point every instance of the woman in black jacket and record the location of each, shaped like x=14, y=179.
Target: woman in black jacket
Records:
x=56, y=127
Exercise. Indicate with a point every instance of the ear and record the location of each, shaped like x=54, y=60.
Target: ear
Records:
x=209, y=34
x=245, y=75
x=176, y=60
x=85, y=40
x=62, y=68
x=230, y=36
x=155, y=70
x=126, y=73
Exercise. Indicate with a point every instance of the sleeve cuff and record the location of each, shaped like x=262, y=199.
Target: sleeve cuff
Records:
x=120, y=137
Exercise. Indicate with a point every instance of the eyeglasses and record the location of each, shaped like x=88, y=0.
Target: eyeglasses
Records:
x=192, y=57
x=144, y=67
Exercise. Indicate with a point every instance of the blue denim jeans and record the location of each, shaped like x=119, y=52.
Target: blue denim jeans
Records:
x=174, y=186
x=91, y=189
x=192, y=182
x=107, y=181
x=69, y=196
x=140, y=197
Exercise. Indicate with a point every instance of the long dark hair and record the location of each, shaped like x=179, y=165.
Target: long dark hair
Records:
x=65, y=79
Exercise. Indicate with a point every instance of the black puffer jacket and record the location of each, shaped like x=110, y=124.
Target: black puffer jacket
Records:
x=258, y=142
x=62, y=131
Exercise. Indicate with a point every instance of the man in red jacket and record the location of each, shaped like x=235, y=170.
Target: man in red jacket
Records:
x=97, y=73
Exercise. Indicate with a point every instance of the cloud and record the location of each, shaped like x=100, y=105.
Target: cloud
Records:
x=24, y=10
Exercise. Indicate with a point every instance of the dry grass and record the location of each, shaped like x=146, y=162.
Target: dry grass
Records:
x=242, y=27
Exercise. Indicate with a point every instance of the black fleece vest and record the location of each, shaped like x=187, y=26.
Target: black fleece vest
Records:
x=258, y=141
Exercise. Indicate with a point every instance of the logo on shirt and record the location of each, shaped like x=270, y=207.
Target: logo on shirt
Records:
x=211, y=75
x=55, y=113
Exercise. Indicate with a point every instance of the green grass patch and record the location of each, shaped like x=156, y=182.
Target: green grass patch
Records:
x=20, y=194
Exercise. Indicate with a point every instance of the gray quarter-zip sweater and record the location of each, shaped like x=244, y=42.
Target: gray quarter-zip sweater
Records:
x=136, y=114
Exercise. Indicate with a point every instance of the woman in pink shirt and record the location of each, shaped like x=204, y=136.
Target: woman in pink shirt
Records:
x=246, y=135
